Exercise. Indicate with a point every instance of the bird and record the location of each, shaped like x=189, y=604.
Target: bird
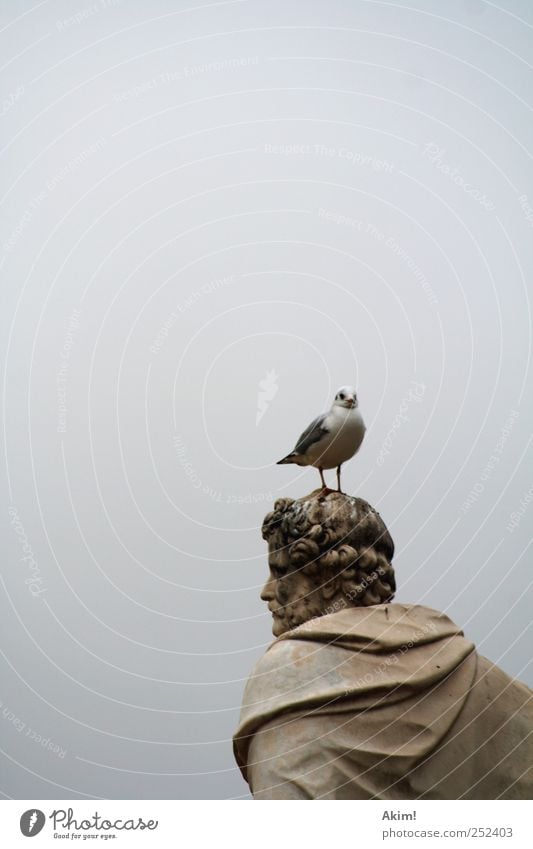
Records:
x=331, y=438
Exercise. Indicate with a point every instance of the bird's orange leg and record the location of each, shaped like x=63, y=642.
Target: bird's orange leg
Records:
x=325, y=487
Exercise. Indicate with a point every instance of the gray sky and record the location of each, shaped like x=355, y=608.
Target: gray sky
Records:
x=214, y=215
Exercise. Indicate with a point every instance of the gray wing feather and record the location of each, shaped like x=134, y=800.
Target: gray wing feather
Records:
x=311, y=434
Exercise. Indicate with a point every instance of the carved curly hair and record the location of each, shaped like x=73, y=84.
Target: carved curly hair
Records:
x=336, y=539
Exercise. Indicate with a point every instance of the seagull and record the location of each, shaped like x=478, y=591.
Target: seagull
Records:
x=331, y=438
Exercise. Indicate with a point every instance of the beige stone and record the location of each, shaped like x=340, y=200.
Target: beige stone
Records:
x=363, y=698
x=386, y=702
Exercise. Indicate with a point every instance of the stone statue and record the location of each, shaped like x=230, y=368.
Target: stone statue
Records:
x=363, y=698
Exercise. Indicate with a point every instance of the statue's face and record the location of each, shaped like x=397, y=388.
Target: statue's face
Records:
x=291, y=596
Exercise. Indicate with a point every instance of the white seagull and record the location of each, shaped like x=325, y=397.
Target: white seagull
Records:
x=331, y=438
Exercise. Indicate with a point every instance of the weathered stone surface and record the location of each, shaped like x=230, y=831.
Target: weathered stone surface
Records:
x=361, y=700
x=387, y=702
x=326, y=553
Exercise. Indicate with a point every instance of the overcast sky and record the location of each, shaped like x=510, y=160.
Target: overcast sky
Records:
x=214, y=215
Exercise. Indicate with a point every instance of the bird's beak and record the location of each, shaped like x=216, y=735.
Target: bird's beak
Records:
x=351, y=402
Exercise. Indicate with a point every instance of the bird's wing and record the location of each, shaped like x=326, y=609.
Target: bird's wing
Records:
x=316, y=430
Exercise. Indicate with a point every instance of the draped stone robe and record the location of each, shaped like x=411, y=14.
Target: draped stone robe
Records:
x=383, y=702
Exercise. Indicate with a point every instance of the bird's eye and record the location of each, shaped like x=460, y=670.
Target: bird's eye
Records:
x=341, y=396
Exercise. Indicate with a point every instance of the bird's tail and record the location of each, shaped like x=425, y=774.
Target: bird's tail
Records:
x=290, y=458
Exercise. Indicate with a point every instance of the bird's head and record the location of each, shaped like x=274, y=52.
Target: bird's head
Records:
x=346, y=397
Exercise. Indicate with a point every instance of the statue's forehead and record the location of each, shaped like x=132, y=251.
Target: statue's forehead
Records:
x=275, y=546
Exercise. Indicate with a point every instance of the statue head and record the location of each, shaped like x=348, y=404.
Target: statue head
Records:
x=325, y=553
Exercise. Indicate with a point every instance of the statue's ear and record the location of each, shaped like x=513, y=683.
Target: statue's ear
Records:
x=330, y=588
